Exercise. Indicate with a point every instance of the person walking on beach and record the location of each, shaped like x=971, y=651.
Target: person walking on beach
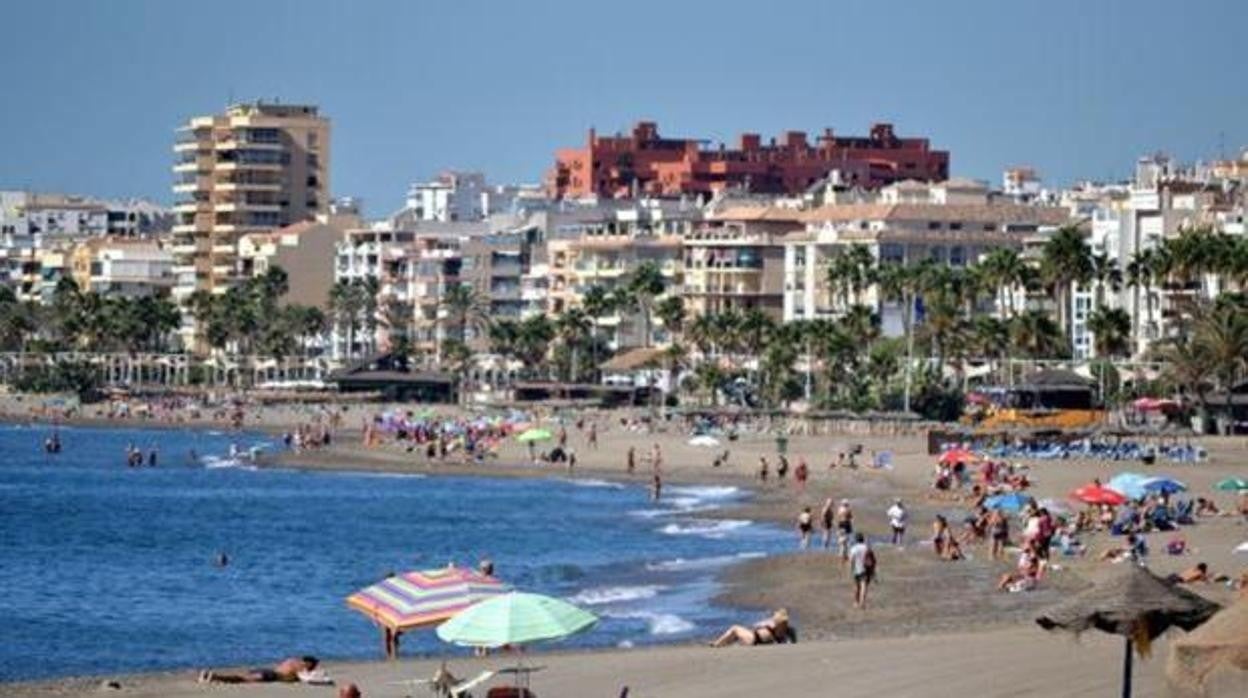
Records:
x=656, y=486
x=827, y=517
x=805, y=524
x=782, y=468
x=999, y=530
x=631, y=460
x=844, y=529
x=656, y=459
x=762, y=469
x=862, y=564
x=897, y=519
x=800, y=473
x=593, y=435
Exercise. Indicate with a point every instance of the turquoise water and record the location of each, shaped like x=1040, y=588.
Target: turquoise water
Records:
x=105, y=568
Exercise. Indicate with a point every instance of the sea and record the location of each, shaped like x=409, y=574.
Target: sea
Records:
x=109, y=569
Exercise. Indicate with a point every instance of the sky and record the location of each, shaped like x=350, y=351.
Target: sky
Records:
x=93, y=90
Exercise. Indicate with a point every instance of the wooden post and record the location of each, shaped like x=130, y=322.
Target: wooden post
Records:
x=1126, y=670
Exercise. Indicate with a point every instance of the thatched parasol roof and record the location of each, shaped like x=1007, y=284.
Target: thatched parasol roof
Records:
x=1223, y=641
x=1133, y=603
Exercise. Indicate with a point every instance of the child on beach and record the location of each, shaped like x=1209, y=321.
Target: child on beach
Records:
x=862, y=565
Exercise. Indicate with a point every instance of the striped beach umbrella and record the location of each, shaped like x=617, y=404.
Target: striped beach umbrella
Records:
x=420, y=599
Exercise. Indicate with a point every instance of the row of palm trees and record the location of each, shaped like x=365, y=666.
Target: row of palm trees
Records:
x=78, y=320
x=250, y=319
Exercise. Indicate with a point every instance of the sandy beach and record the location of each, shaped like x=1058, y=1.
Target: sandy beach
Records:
x=933, y=627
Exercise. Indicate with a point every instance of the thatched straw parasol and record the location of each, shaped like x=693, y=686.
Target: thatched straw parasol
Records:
x=1223, y=641
x=1134, y=603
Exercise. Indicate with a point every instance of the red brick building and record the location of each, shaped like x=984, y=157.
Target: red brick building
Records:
x=645, y=163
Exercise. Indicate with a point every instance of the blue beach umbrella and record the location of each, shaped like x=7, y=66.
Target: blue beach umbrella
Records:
x=1164, y=485
x=1014, y=501
x=1130, y=484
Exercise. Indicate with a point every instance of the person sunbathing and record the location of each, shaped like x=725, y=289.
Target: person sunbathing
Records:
x=1192, y=575
x=292, y=670
x=1206, y=507
x=773, y=631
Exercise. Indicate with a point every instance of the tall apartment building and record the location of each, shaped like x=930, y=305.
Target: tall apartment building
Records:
x=646, y=164
x=258, y=166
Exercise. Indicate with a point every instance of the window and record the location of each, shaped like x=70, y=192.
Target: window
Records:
x=313, y=143
x=956, y=225
x=990, y=227
x=933, y=225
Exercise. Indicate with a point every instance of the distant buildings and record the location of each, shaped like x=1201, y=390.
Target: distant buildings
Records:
x=304, y=250
x=257, y=166
x=952, y=223
x=38, y=230
x=646, y=164
x=464, y=196
x=122, y=267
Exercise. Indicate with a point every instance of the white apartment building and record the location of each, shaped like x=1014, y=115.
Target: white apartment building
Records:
x=465, y=196
x=953, y=223
x=123, y=267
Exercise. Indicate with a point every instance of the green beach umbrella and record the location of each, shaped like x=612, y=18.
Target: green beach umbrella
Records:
x=535, y=435
x=515, y=619
x=1232, y=484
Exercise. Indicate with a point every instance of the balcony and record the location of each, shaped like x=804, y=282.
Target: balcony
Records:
x=198, y=164
x=223, y=249
x=248, y=186
x=230, y=206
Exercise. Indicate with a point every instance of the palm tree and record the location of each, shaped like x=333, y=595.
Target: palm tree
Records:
x=1005, y=270
x=346, y=302
x=849, y=273
x=862, y=322
x=1066, y=261
x=1111, y=330
x=1222, y=330
x=990, y=338
x=904, y=284
x=573, y=327
x=533, y=340
x=465, y=309
x=1106, y=273
x=598, y=304
x=1036, y=336
x=640, y=293
x=757, y=329
x=671, y=312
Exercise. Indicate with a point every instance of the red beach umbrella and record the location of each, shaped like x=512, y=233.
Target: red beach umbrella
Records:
x=1093, y=493
x=957, y=455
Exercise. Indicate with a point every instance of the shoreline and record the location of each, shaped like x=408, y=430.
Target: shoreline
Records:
x=913, y=601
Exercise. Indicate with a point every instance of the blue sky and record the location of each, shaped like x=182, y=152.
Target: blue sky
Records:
x=94, y=90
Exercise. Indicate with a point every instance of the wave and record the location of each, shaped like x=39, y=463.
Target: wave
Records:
x=602, y=484
x=659, y=623
x=705, y=491
x=217, y=463
x=700, y=563
x=710, y=528
x=608, y=595
x=387, y=476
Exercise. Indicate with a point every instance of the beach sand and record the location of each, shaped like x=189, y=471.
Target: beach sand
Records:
x=933, y=628
x=1021, y=661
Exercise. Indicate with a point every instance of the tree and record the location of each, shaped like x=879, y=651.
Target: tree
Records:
x=903, y=284
x=598, y=304
x=640, y=293
x=1111, y=331
x=1065, y=260
x=671, y=312
x=1036, y=336
x=1006, y=271
x=1107, y=274
x=850, y=273
x=574, y=328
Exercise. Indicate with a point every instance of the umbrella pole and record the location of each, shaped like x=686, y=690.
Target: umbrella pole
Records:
x=1126, y=670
